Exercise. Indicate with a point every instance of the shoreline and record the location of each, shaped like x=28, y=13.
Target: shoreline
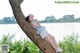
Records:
x=50, y=22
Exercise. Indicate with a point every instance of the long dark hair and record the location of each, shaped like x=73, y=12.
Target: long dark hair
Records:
x=27, y=18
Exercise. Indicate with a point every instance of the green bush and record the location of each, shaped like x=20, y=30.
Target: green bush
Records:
x=19, y=46
x=70, y=44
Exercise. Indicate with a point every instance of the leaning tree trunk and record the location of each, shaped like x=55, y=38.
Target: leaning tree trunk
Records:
x=28, y=30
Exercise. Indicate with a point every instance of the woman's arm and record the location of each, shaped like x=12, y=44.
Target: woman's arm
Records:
x=35, y=23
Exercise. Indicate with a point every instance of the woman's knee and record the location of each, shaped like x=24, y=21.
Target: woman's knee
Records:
x=47, y=39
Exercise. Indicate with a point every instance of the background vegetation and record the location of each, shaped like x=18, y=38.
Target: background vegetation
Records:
x=70, y=44
x=48, y=19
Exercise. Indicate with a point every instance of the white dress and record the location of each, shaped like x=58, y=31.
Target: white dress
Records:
x=40, y=30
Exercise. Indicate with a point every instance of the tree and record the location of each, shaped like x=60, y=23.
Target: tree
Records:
x=28, y=30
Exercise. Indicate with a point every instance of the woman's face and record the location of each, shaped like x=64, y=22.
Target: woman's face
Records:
x=31, y=17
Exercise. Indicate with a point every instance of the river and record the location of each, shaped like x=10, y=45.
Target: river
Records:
x=58, y=30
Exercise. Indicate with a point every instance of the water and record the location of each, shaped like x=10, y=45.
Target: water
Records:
x=58, y=30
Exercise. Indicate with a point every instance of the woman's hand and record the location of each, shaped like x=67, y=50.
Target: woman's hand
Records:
x=37, y=24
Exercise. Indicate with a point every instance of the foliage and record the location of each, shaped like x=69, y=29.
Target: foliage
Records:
x=19, y=46
x=70, y=44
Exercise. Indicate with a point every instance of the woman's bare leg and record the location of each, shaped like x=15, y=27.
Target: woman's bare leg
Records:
x=53, y=38
x=51, y=41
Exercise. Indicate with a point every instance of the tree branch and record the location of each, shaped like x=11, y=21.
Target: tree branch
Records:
x=29, y=31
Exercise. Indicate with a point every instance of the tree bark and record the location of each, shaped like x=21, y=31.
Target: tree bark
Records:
x=42, y=44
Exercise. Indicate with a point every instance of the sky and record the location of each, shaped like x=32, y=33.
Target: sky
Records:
x=41, y=8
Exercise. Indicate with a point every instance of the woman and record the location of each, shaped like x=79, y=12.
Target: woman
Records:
x=42, y=32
